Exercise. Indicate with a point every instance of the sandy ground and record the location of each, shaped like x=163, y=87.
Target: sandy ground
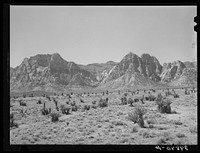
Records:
x=108, y=125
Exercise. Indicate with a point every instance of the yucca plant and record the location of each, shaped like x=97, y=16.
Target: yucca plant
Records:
x=159, y=97
x=164, y=105
x=45, y=111
x=142, y=99
x=55, y=117
x=12, y=123
x=137, y=115
x=124, y=100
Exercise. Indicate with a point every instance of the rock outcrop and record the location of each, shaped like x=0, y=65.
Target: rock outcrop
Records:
x=147, y=66
x=49, y=70
x=172, y=71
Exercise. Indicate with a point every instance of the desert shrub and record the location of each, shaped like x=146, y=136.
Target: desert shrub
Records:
x=151, y=126
x=187, y=92
x=69, y=95
x=94, y=106
x=151, y=121
x=73, y=103
x=74, y=108
x=176, y=95
x=180, y=135
x=86, y=107
x=136, y=100
x=130, y=101
x=193, y=129
x=137, y=116
x=164, y=105
x=134, y=129
x=162, y=141
x=54, y=117
x=117, y=122
x=64, y=109
x=159, y=97
x=152, y=98
x=57, y=108
x=103, y=102
x=12, y=123
x=21, y=103
x=124, y=100
x=177, y=122
x=31, y=95
x=167, y=93
x=81, y=100
x=94, y=102
x=39, y=102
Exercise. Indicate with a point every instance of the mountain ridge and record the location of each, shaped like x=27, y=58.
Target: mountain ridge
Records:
x=52, y=72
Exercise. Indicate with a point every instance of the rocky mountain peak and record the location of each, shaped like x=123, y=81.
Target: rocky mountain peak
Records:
x=131, y=63
x=172, y=70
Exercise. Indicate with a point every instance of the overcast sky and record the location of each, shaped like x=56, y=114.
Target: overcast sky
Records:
x=99, y=34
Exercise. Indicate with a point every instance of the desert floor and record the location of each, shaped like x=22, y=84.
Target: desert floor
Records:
x=108, y=125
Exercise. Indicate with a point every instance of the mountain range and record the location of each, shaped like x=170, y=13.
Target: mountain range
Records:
x=50, y=72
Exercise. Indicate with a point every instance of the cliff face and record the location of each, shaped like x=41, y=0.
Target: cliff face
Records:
x=172, y=71
x=48, y=70
x=146, y=65
x=51, y=72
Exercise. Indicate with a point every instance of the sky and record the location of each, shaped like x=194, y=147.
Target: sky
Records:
x=97, y=34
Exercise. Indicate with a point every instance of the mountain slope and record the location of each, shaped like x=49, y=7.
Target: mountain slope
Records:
x=133, y=80
x=48, y=70
x=187, y=78
x=126, y=71
x=100, y=70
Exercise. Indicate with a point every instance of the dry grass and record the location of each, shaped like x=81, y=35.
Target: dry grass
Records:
x=105, y=125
